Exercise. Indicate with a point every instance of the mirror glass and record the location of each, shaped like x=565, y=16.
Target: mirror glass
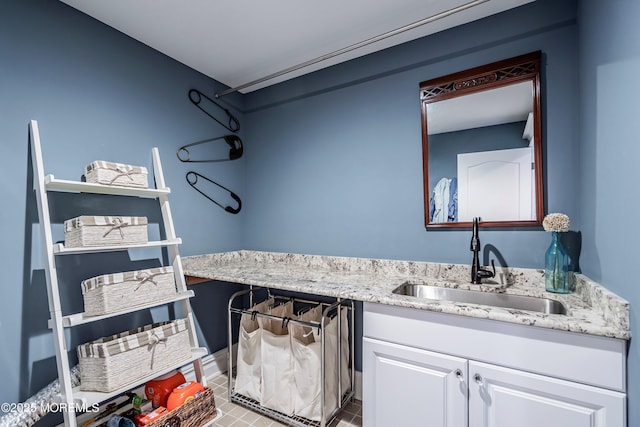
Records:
x=482, y=147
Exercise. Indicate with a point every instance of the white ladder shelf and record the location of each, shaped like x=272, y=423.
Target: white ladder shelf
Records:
x=69, y=396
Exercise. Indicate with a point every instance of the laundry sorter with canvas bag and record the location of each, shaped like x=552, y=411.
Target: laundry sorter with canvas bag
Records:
x=294, y=356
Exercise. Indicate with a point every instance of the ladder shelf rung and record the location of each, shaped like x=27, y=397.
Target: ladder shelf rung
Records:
x=60, y=249
x=80, y=318
x=53, y=184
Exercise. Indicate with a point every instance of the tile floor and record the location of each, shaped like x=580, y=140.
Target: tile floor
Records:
x=234, y=415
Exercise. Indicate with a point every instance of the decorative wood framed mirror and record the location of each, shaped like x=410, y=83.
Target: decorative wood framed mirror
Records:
x=482, y=145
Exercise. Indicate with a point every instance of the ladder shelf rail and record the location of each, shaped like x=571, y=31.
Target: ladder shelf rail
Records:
x=69, y=395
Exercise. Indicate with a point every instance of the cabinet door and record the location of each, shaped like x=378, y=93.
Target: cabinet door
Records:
x=501, y=397
x=408, y=387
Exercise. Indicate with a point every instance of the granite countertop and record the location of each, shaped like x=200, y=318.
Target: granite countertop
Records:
x=591, y=309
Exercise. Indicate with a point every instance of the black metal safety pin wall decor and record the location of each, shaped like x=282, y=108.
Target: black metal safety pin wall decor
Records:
x=192, y=179
x=196, y=98
x=233, y=141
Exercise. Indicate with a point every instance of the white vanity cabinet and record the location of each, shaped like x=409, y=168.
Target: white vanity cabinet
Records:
x=407, y=386
x=423, y=368
x=501, y=396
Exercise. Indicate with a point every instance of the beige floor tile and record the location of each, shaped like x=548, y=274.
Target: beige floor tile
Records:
x=237, y=411
x=250, y=417
x=219, y=380
x=276, y=424
x=344, y=419
x=222, y=394
x=262, y=422
x=357, y=421
x=234, y=415
x=226, y=407
x=225, y=421
x=241, y=423
x=352, y=409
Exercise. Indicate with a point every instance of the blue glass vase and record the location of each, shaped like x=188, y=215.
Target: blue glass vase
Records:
x=556, y=267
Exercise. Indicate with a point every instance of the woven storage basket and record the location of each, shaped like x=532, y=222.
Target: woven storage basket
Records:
x=105, y=231
x=115, y=292
x=109, y=173
x=110, y=363
x=195, y=413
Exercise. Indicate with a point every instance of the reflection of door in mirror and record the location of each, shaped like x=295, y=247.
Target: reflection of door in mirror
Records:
x=482, y=146
x=490, y=181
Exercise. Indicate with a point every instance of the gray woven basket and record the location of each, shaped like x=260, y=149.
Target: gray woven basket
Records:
x=110, y=293
x=109, y=173
x=110, y=363
x=105, y=231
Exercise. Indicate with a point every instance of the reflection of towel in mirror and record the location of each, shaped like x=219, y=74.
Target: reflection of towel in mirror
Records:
x=444, y=201
x=440, y=200
x=453, y=200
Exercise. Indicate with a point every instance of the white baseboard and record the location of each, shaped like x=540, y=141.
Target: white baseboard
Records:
x=216, y=364
x=213, y=365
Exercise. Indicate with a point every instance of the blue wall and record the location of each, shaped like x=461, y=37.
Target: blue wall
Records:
x=96, y=94
x=609, y=151
x=334, y=159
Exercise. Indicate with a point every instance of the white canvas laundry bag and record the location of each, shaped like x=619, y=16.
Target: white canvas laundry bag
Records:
x=345, y=351
x=248, y=363
x=277, y=367
x=332, y=367
x=306, y=348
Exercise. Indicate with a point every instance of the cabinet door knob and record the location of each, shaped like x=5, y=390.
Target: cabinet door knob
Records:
x=477, y=378
x=459, y=375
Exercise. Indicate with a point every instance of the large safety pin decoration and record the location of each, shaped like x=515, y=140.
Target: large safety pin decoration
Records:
x=195, y=96
x=192, y=179
x=233, y=141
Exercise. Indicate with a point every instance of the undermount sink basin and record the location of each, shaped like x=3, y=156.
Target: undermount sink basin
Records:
x=517, y=302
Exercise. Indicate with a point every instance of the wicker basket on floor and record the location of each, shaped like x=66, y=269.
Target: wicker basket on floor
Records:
x=105, y=231
x=194, y=413
x=110, y=363
x=109, y=173
x=110, y=293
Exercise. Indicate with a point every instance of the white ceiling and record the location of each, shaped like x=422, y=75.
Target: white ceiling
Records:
x=239, y=41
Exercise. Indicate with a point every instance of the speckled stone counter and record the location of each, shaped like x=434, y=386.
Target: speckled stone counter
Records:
x=591, y=309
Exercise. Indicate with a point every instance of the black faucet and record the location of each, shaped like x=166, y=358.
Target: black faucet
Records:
x=478, y=273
